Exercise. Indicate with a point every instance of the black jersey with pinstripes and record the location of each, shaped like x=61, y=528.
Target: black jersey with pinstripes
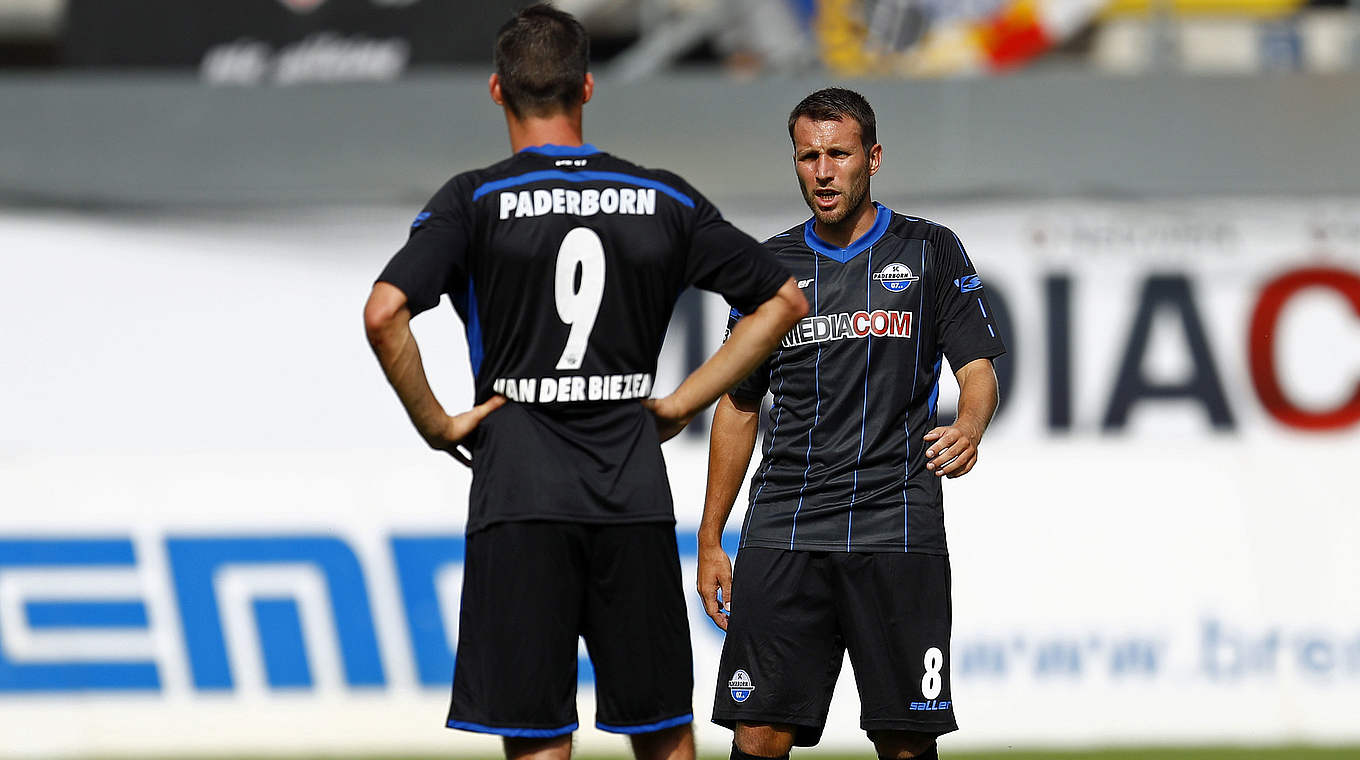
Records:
x=855, y=385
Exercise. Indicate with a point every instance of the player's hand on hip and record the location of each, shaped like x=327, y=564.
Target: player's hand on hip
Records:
x=952, y=450
x=670, y=420
x=454, y=429
x=715, y=576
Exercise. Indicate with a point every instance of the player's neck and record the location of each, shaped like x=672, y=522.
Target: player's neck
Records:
x=855, y=225
x=557, y=129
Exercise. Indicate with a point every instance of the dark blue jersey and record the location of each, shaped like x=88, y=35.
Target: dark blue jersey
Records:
x=855, y=385
x=564, y=265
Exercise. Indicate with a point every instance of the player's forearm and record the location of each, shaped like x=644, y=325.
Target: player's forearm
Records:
x=730, y=444
x=753, y=338
x=978, y=396
x=395, y=346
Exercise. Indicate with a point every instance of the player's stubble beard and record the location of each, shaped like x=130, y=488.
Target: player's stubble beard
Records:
x=854, y=198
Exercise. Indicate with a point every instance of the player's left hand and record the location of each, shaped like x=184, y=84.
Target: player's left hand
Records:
x=952, y=449
x=669, y=420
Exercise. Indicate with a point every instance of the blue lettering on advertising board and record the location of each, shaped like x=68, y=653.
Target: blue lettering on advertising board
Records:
x=46, y=614
x=198, y=563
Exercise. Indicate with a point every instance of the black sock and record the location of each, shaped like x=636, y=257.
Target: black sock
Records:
x=739, y=755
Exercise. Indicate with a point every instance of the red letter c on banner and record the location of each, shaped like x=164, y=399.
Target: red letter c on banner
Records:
x=1261, y=348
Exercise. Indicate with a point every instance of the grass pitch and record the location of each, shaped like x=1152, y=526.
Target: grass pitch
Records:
x=1137, y=753
x=1143, y=753
x=1170, y=753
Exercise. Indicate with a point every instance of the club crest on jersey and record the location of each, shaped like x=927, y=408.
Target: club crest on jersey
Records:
x=895, y=277
x=741, y=686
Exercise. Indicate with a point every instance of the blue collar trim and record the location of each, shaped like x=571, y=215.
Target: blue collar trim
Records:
x=548, y=149
x=855, y=248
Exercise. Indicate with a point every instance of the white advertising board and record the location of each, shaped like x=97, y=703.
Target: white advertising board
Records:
x=218, y=534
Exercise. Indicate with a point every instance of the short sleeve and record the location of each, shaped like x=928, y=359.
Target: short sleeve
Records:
x=757, y=384
x=434, y=259
x=727, y=261
x=966, y=324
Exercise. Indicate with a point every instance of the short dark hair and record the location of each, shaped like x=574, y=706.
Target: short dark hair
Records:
x=839, y=104
x=541, y=58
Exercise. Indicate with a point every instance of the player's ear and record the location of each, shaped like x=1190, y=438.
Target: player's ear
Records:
x=493, y=85
x=587, y=88
x=875, y=158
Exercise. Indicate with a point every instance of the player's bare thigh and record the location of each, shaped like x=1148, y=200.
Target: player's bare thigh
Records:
x=900, y=745
x=764, y=739
x=556, y=748
x=675, y=743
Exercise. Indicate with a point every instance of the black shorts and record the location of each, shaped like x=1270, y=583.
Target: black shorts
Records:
x=531, y=588
x=794, y=615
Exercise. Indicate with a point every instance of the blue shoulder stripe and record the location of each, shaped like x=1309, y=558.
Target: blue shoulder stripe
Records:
x=581, y=176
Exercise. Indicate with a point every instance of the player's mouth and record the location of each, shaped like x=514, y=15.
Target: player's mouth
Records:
x=826, y=198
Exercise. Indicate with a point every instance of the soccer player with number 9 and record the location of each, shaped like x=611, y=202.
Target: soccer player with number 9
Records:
x=564, y=263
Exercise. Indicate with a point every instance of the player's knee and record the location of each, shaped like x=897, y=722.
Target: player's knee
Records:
x=901, y=745
x=761, y=740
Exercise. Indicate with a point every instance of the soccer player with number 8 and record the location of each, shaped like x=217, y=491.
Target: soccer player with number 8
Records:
x=564, y=263
x=843, y=546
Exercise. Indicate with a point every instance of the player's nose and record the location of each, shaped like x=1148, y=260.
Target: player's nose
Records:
x=824, y=169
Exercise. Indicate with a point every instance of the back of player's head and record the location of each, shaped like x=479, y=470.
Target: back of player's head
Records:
x=541, y=58
x=839, y=104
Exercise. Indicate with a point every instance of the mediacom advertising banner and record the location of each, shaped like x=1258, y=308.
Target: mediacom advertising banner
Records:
x=219, y=536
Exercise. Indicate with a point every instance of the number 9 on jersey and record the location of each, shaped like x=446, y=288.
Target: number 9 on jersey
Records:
x=578, y=303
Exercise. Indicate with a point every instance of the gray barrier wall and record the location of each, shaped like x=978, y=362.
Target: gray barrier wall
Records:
x=155, y=140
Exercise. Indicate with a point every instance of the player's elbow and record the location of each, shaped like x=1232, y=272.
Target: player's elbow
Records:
x=382, y=313
x=376, y=321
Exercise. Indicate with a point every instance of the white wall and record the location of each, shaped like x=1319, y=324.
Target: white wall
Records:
x=202, y=382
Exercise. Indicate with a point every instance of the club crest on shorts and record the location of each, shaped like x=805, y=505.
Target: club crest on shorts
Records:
x=895, y=277
x=741, y=686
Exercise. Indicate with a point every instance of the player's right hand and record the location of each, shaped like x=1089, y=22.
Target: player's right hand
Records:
x=459, y=426
x=669, y=421
x=715, y=576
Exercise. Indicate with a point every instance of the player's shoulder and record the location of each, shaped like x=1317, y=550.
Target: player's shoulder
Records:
x=908, y=228
x=789, y=241
x=667, y=181
x=911, y=227
x=462, y=187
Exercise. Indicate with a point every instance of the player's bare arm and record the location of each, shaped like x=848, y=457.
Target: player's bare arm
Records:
x=954, y=448
x=388, y=323
x=754, y=337
x=736, y=421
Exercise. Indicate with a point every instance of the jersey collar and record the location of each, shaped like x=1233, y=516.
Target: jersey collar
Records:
x=549, y=149
x=855, y=248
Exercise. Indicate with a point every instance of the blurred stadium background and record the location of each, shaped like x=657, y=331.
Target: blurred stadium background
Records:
x=219, y=538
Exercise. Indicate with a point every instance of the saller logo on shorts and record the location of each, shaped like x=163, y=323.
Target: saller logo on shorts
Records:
x=895, y=277
x=741, y=686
